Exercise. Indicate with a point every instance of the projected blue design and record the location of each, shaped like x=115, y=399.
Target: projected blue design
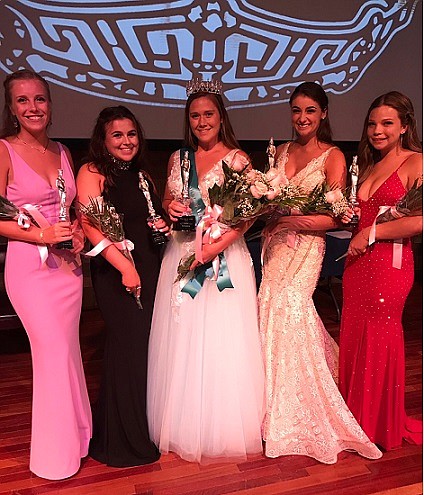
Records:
x=132, y=52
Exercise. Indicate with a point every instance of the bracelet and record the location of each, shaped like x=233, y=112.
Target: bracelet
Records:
x=42, y=236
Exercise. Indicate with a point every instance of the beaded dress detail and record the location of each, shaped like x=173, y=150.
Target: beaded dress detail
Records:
x=305, y=413
x=372, y=354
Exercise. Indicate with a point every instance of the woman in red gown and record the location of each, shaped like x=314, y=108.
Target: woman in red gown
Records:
x=379, y=275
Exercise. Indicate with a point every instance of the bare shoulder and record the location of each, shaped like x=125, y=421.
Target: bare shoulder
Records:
x=412, y=169
x=4, y=157
x=336, y=153
x=414, y=161
x=6, y=173
x=88, y=171
x=280, y=147
x=243, y=154
x=3, y=149
x=89, y=182
x=335, y=158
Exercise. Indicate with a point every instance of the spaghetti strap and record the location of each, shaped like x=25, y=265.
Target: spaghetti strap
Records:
x=404, y=161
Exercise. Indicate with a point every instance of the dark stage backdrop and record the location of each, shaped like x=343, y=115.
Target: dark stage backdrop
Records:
x=139, y=53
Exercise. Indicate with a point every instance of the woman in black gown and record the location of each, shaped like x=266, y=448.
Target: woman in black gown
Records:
x=120, y=431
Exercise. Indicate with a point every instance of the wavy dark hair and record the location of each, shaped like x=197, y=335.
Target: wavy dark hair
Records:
x=314, y=91
x=10, y=125
x=226, y=132
x=97, y=152
x=367, y=155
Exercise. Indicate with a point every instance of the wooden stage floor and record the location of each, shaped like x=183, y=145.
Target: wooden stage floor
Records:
x=397, y=472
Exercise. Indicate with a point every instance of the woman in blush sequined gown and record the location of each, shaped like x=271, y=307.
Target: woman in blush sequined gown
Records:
x=205, y=378
x=117, y=151
x=305, y=414
x=44, y=283
x=378, y=278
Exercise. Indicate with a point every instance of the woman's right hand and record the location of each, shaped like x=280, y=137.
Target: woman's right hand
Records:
x=346, y=218
x=176, y=209
x=58, y=232
x=131, y=281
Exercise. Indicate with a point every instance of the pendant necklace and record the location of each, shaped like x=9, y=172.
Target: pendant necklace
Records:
x=42, y=151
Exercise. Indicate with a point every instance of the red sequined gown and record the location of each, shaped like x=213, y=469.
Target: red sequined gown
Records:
x=372, y=361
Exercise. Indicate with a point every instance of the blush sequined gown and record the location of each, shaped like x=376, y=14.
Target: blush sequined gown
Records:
x=372, y=361
x=305, y=413
x=47, y=298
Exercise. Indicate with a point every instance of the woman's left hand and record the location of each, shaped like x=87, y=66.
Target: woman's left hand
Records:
x=161, y=226
x=358, y=245
x=209, y=253
x=78, y=237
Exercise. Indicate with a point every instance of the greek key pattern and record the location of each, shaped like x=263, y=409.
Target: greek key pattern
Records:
x=145, y=54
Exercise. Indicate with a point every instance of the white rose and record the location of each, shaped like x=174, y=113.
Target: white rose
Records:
x=271, y=174
x=271, y=194
x=333, y=196
x=252, y=175
x=261, y=187
x=255, y=191
x=239, y=163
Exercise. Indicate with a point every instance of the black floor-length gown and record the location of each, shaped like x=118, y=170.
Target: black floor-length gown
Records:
x=121, y=435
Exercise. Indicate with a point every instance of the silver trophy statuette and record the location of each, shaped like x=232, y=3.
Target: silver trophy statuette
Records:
x=63, y=210
x=270, y=151
x=353, y=200
x=186, y=222
x=157, y=236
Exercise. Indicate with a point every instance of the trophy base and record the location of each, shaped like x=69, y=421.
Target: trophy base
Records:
x=354, y=220
x=159, y=238
x=65, y=245
x=186, y=223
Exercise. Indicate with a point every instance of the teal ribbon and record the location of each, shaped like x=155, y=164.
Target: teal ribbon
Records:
x=193, y=286
x=198, y=207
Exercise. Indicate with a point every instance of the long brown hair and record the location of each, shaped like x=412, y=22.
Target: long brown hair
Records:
x=226, y=132
x=367, y=155
x=10, y=124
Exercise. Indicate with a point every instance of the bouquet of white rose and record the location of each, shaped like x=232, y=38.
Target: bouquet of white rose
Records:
x=243, y=196
x=103, y=216
x=247, y=195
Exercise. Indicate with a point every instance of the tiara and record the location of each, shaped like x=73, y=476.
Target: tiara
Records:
x=197, y=85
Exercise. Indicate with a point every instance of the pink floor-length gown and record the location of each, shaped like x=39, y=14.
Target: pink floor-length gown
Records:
x=47, y=298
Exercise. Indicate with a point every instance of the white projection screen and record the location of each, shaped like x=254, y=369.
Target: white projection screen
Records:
x=97, y=53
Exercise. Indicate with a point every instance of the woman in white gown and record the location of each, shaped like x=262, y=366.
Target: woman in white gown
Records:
x=205, y=377
x=305, y=412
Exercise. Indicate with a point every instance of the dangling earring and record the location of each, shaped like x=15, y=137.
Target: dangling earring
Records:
x=15, y=122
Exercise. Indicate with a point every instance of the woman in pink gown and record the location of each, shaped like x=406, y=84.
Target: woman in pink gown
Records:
x=379, y=275
x=44, y=283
